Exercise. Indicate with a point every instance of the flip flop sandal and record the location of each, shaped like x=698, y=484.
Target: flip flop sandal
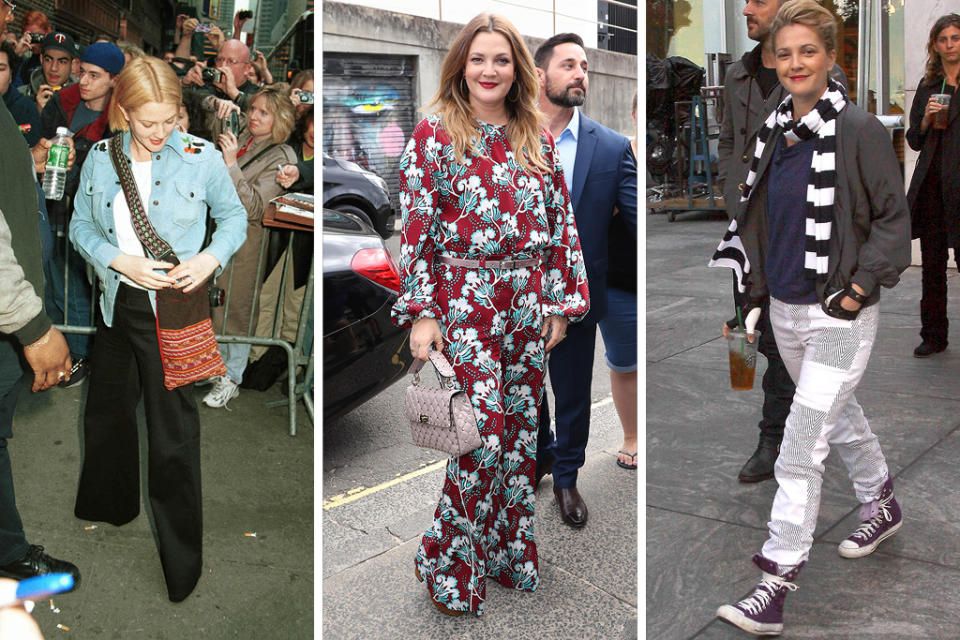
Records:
x=624, y=465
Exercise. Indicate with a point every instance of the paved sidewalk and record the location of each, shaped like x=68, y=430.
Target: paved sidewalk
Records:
x=588, y=577
x=256, y=479
x=702, y=525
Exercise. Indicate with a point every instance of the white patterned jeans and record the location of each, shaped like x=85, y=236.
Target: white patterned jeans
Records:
x=826, y=358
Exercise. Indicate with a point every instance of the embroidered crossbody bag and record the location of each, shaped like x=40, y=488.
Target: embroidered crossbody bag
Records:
x=188, y=348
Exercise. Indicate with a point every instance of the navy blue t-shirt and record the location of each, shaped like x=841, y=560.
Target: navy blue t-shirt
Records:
x=786, y=223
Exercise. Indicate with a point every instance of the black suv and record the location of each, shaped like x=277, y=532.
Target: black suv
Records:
x=349, y=187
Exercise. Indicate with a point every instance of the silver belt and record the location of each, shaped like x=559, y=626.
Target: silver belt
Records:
x=485, y=263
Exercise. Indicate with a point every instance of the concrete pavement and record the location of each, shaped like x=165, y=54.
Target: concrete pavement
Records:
x=702, y=526
x=256, y=479
x=588, y=577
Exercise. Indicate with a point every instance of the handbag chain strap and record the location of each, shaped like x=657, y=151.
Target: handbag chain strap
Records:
x=159, y=248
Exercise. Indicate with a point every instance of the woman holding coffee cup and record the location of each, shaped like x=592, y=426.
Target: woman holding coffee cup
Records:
x=934, y=194
x=824, y=222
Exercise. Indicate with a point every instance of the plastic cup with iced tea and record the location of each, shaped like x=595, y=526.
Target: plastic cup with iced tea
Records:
x=743, y=358
x=940, y=117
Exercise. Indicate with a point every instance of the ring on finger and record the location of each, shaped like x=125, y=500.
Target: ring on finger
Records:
x=60, y=375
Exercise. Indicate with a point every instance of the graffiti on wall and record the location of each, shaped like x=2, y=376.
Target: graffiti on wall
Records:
x=364, y=125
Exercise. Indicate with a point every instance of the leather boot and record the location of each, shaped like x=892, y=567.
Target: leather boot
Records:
x=760, y=465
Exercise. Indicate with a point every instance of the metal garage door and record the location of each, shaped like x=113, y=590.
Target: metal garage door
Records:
x=369, y=111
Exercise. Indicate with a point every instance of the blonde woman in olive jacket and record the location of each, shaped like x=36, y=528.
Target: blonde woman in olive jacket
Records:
x=252, y=162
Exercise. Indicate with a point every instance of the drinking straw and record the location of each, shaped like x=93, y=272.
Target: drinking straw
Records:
x=740, y=325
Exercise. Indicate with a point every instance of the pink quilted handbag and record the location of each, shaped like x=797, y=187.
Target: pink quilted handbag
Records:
x=443, y=418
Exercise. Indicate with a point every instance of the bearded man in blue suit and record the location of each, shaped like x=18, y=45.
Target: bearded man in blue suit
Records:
x=601, y=175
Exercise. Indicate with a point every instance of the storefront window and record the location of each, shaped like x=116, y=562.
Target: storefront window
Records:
x=890, y=44
x=897, y=68
x=675, y=28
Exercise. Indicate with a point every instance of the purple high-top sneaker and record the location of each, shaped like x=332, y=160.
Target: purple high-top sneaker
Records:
x=879, y=520
x=761, y=613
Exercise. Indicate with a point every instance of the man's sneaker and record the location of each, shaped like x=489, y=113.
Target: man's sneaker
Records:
x=761, y=613
x=879, y=520
x=79, y=371
x=224, y=390
x=36, y=563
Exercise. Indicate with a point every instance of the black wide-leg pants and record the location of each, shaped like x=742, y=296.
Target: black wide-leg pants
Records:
x=125, y=365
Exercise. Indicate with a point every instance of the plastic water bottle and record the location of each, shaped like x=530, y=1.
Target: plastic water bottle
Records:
x=55, y=175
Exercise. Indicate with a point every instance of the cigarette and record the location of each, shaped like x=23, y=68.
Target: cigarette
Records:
x=63, y=627
x=252, y=534
x=90, y=527
x=280, y=169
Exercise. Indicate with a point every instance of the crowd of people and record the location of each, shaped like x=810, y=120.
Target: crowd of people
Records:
x=210, y=138
x=45, y=66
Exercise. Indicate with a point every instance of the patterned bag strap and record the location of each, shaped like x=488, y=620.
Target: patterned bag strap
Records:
x=159, y=248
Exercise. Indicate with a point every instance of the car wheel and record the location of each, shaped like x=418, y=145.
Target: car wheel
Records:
x=357, y=211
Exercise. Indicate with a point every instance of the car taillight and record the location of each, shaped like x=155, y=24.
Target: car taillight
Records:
x=377, y=266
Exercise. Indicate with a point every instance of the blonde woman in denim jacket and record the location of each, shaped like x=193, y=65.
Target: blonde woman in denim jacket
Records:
x=178, y=176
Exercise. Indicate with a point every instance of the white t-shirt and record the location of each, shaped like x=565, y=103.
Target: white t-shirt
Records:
x=127, y=238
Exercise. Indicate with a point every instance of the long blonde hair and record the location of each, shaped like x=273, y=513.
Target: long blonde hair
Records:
x=452, y=100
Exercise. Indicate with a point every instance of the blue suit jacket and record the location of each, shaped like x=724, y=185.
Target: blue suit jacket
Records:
x=604, y=177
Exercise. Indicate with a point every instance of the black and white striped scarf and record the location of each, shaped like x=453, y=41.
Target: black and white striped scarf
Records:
x=731, y=254
x=819, y=123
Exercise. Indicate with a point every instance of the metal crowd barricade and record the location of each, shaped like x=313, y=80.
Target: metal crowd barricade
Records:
x=294, y=352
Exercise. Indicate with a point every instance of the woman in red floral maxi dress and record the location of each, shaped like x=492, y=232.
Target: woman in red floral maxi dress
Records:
x=466, y=193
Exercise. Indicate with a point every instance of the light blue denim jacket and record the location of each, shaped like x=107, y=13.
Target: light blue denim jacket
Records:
x=184, y=183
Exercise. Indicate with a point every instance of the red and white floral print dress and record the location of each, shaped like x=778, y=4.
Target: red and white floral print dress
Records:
x=491, y=321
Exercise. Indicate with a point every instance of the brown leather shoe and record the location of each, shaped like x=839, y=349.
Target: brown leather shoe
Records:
x=572, y=507
x=543, y=469
x=440, y=607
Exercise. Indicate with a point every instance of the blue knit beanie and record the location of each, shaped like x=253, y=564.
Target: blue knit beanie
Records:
x=105, y=55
